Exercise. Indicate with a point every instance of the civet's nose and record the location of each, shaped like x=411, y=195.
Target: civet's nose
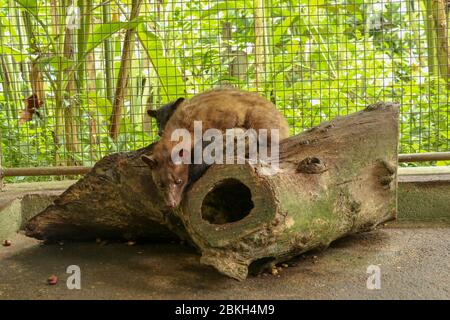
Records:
x=172, y=204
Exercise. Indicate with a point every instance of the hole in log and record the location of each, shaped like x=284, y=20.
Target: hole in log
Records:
x=311, y=165
x=261, y=265
x=229, y=201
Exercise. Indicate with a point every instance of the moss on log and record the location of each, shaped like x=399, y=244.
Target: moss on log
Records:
x=336, y=179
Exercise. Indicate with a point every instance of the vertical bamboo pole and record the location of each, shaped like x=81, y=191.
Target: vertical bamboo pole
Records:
x=124, y=74
x=108, y=55
x=57, y=19
x=70, y=108
x=413, y=15
x=146, y=120
x=70, y=111
x=21, y=36
x=54, y=17
x=6, y=85
x=269, y=52
x=440, y=21
x=85, y=7
x=91, y=87
x=259, y=43
x=431, y=39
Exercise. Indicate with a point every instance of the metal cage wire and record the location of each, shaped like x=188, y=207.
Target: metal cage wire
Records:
x=77, y=77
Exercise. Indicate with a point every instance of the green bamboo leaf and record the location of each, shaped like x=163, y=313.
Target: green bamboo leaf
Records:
x=281, y=29
x=99, y=105
x=16, y=54
x=57, y=62
x=314, y=2
x=225, y=6
x=106, y=30
x=341, y=8
x=168, y=74
x=30, y=5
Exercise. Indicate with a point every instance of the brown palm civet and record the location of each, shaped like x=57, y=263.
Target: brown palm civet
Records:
x=222, y=109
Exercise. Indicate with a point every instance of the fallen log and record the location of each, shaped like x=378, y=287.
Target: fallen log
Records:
x=335, y=179
x=117, y=199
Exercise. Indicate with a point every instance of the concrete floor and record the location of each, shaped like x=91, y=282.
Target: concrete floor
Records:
x=414, y=263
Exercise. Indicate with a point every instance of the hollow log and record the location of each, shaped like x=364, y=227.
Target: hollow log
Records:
x=336, y=179
x=333, y=180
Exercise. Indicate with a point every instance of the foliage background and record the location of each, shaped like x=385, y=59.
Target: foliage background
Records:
x=315, y=59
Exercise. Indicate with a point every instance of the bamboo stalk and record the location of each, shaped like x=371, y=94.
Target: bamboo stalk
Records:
x=124, y=73
x=440, y=21
x=6, y=85
x=20, y=31
x=59, y=124
x=54, y=17
x=431, y=40
x=413, y=16
x=37, y=81
x=270, y=89
x=82, y=36
x=91, y=88
x=91, y=72
x=147, y=92
x=259, y=42
x=226, y=37
x=57, y=17
x=70, y=112
x=108, y=54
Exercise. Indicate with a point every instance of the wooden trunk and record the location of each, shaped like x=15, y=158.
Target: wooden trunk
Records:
x=333, y=180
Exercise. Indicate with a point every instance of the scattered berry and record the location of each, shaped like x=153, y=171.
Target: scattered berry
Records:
x=52, y=280
x=7, y=243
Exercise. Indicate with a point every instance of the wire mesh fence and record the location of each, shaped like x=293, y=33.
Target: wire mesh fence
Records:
x=77, y=77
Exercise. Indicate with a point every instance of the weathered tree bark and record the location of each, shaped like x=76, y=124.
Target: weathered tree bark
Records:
x=336, y=179
x=117, y=199
x=333, y=180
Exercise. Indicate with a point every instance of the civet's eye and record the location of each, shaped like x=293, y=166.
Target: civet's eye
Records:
x=178, y=181
x=161, y=185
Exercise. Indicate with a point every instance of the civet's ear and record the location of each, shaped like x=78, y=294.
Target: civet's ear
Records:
x=150, y=161
x=177, y=103
x=152, y=113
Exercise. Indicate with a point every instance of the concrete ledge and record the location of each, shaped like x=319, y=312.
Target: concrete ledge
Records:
x=423, y=196
x=21, y=201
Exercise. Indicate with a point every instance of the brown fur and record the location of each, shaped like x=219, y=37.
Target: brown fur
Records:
x=32, y=104
x=221, y=109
